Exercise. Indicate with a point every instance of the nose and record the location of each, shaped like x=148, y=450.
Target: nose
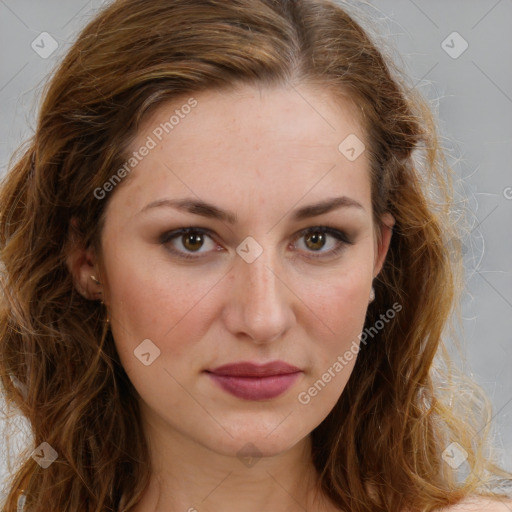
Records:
x=259, y=305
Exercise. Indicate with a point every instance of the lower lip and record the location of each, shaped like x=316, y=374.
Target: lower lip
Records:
x=256, y=388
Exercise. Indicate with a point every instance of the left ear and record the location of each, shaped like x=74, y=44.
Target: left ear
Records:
x=382, y=242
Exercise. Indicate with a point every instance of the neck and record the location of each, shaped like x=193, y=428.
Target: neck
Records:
x=190, y=477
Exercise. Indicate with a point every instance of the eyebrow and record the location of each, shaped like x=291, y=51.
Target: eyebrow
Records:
x=199, y=207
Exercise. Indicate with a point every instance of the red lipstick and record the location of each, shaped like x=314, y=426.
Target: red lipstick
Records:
x=252, y=381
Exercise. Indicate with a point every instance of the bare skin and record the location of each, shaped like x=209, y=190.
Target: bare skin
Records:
x=261, y=154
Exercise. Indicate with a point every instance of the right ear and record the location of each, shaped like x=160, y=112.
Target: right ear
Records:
x=82, y=264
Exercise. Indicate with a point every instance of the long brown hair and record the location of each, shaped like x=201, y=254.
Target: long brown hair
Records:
x=381, y=447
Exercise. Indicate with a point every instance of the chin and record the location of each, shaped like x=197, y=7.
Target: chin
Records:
x=251, y=442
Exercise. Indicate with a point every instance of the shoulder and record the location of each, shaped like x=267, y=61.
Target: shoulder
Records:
x=481, y=504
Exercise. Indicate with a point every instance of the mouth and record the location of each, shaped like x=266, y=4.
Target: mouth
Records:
x=250, y=381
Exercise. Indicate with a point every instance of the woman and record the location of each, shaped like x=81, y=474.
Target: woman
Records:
x=226, y=274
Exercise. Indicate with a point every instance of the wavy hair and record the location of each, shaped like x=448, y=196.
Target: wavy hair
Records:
x=58, y=363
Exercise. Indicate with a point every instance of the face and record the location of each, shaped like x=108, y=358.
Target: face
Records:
x=276, y=291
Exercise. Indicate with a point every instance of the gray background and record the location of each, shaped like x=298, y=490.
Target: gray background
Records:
x=472, y=95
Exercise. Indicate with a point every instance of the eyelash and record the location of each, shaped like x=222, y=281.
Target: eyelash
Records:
x=342, y=238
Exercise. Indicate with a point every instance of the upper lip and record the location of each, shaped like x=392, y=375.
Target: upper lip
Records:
x=248, y=369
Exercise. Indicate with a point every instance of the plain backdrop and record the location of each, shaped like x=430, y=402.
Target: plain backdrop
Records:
x=458, y=53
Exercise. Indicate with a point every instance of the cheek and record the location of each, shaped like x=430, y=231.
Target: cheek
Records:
x=340, y=310
x=152, y=301
x=340, y=300
x=339, y=305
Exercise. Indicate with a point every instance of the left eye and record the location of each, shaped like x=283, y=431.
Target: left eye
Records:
x=315, y=239
x=192, y=239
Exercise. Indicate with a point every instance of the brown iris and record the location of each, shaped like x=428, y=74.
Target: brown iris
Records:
x=317, y=238
x=192, y=241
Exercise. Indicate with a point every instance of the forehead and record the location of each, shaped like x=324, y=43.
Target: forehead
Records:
x=305, y=113
x=238, y=141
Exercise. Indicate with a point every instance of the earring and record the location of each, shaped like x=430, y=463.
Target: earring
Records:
x=372, y=295
x=95, y=280
x=98, y=283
